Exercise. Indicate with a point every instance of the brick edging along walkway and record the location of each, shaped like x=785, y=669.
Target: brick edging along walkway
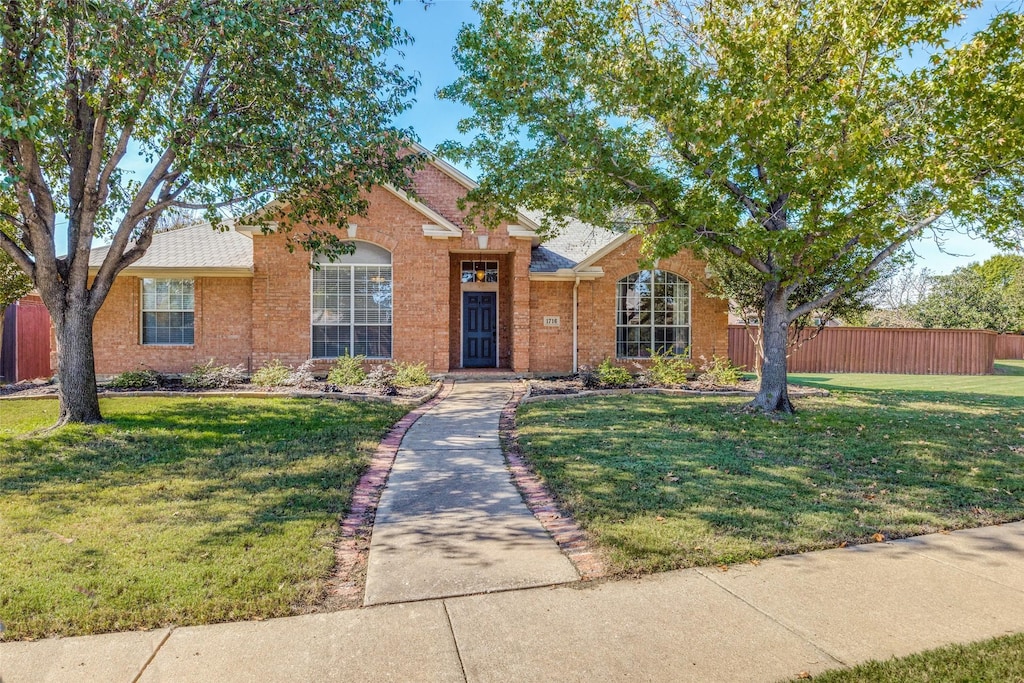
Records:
x=560, y=524
x=353, y=544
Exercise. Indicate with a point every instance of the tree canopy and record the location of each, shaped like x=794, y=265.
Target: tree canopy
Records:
x=795, y=138
x=985, y=296
x=229, y=102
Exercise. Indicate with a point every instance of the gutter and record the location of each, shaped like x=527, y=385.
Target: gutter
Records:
x=575, y=326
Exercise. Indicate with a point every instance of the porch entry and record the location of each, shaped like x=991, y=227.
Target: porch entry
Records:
x=479, y=329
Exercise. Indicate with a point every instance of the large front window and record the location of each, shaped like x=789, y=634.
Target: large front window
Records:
x=168, y=311
x=351, y=305
x=652, y=315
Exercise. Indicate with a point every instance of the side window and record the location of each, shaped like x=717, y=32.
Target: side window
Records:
x=168, y=312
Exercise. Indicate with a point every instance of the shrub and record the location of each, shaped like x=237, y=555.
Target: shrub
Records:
x=347, y=371
x=212, y=376
x=273, y=374
x=588, y=377
x=719, y=371
x=136, y=379
x=669, y=368
x=302, y=376
x=612, y=375
x=411, y=374
x=382, y=380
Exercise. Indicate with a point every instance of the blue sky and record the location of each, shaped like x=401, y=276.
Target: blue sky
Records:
x=434, y=29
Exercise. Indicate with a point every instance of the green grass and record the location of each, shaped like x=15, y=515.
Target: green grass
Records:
x=669, y=482
x=1000, y=660
x=1008, y=381
x=174, y=511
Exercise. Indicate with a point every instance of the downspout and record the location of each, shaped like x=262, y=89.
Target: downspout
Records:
x=575, y=326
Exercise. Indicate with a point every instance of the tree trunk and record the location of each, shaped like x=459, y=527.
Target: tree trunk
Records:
x=77, y=367
x=773, y=395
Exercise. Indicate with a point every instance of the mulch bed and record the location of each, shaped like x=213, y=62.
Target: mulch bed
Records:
x=48, y=388
x=559, y=386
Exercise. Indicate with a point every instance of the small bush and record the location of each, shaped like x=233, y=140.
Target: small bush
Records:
x=382, y=380
x=276, y=374
x=588, y=377
x=347, y=371
x=669, y=368
x=136, y=379
x=719, y=371
x=212, y=376
x=411, y=374
x=612, y=375
x=273, y=374
x=302, y=376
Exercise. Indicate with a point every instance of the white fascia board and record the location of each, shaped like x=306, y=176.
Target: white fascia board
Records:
x=568, y=275
x=182, y=272
x=524, y=233
x=251, y=230
x=605, y=250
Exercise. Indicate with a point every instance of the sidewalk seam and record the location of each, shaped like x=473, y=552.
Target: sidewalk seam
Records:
x=774, y=620
x=455, y=640
x=159, y=646
x=960, y=568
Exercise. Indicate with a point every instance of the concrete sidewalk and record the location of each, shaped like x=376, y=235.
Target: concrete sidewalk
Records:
x=806, y=612
x=450, y=521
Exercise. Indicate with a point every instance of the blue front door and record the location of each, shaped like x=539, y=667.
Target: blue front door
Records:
x=479, y=329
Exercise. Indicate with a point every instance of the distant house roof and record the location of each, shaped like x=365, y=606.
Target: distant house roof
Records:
x=569, y=246
x=197, y=247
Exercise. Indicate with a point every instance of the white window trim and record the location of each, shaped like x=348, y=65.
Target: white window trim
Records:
x=142, y=312
x=689, y=313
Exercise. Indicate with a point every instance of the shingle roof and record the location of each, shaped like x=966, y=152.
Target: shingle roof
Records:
x=568, y=246
x=193, y=246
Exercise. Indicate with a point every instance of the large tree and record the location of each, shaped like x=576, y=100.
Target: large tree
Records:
x=807, y=140
x=229, y=102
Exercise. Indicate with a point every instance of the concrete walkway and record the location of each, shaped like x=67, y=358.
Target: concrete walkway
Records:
x=791, y=614
x=450, y=521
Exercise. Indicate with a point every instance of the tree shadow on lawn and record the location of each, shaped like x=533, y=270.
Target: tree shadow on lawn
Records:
x=671, y=482
x=204, y=509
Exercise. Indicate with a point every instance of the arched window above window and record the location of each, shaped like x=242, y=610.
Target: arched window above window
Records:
x=351, y=304
x=652, y=314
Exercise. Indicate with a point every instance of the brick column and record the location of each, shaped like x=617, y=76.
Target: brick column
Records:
x=521, y=306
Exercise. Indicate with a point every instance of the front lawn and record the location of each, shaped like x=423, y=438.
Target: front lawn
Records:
x=176, y=511
x=669, y=482
x=999, y=660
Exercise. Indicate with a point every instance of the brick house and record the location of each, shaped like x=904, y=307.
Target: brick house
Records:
x=422, y=286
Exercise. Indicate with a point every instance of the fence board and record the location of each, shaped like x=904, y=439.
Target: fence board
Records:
x=1010, y=346
x=882, y=350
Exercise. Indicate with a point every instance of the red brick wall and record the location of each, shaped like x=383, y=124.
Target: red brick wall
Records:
x=709, y=332
x=268, y=316
x=222, y=332
x=551, y=347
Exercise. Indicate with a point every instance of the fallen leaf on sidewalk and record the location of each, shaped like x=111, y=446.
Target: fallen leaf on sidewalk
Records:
x=843, y=544
x=878, y=538
x=722, y=567
x=804, y=675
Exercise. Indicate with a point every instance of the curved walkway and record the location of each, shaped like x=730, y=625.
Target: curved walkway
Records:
x=450, y=522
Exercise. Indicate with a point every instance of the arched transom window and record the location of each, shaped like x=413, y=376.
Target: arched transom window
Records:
x=652, y=314
x=351, y=304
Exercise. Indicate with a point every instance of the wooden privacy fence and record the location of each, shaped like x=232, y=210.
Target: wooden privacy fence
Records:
x=882, y=350
x=25, y=347
x=1010, y=346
